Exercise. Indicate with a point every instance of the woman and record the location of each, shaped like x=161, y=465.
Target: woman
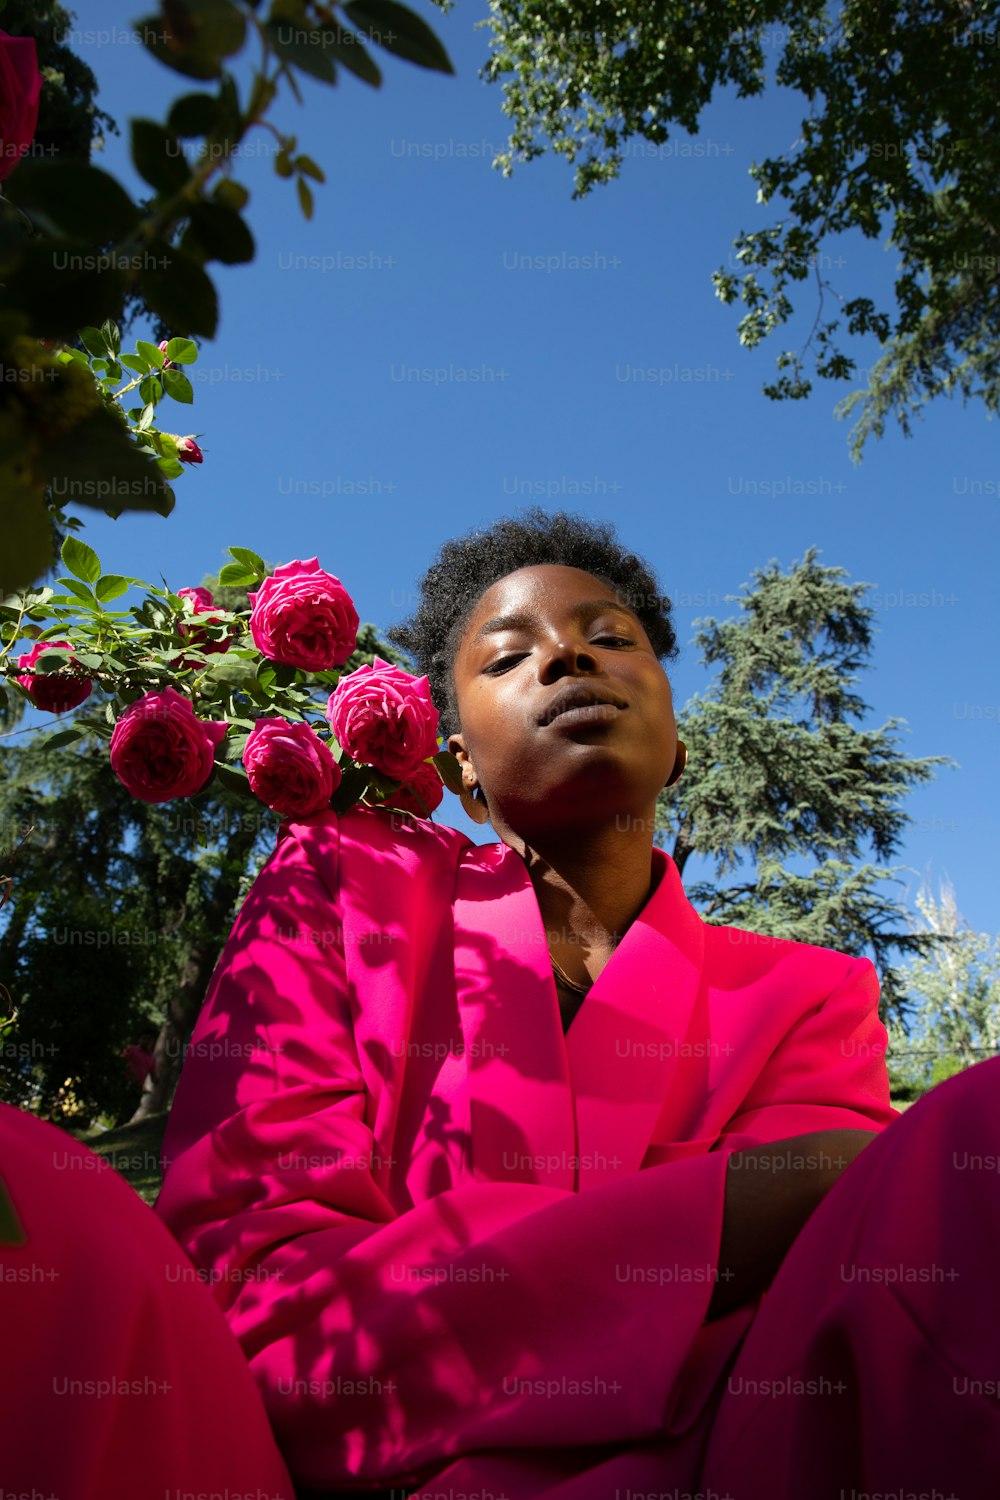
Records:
x=491, y=1153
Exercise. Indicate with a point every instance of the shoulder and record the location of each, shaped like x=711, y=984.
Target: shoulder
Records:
x=365, y=839
x=751, y=957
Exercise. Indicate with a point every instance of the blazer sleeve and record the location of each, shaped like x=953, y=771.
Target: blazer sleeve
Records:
x=828, y=1072
x=492, y=1315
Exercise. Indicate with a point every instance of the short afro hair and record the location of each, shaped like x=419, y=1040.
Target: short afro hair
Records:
x=467, y=566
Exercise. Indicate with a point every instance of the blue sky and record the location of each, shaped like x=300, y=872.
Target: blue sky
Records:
x=320, y=440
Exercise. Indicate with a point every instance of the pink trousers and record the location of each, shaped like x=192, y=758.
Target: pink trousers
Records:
x=872, y=1365
x=120, y=1379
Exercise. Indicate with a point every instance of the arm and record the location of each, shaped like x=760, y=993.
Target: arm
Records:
x=493, y=1315
x=770, y=1193
x=834, y=1055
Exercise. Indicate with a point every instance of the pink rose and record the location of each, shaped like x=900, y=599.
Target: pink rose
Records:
x=303, y=617
x=56, y=692
x=203, y=604
x=20, y=91
x=188, y=451
x=289, y=767
x=161, y=750
x=427, y=782
x=384, y=717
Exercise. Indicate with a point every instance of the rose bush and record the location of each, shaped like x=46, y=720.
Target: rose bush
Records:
x=242, y=701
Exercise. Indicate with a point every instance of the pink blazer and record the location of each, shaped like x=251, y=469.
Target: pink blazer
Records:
x=438, y=1226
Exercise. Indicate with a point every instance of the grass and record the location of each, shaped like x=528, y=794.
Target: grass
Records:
x=133, y=1151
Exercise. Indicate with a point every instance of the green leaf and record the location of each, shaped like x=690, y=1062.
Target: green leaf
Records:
x=159, y=156
x=136, y=363
x=112, y=335
x=296, y=43
x=191, y=61
x=67, y=736
x=194, y=114
x=151, y=391
x=73, y=198
x=73, y=356
x=249, y=560
x=308, y=166
x=82, y=590
x=171, y=468
x=177, y=385
x=110, y=586
x=221, y=233
x=305, y=196
x=399, y=31
x=150, y=352
x=93, y=341
x=11, y=1229
x=232, y=194
x=233, y=745
x=52, y=660
x=148, y=412
x=235, y=573
x=345, y=46
x=182, y=351
x=179, y=290
x=219, y=26
x=450, y=769
x=81, y=560
x=235, y=781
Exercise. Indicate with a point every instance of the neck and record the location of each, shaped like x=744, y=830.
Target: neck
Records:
x=590, y=887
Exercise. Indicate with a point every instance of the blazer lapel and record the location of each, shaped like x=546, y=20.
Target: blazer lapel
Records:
x=632, y=1030
x=571, y=1111
x=521, y=1102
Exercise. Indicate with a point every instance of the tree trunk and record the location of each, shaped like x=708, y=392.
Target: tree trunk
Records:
x=682, y=847
x=186, y=1001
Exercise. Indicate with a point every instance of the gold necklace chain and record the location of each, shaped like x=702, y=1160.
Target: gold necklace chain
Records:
x=581, y=989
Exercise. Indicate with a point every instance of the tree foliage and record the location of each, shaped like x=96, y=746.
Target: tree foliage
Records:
x=900, y=139
x=953, y=1017
x=776, y=771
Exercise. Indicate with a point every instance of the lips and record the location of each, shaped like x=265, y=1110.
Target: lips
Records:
x=578, y=695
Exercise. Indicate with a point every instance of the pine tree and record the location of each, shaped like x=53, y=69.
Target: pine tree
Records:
x=776, y=771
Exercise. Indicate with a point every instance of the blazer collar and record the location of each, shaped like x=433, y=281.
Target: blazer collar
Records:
x=576, y=1110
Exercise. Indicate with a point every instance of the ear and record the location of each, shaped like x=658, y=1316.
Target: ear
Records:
x=456, y=745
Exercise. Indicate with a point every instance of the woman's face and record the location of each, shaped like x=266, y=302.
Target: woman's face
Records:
x=537, y=770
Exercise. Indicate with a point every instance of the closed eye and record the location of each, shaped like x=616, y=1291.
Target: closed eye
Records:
x=501, y=663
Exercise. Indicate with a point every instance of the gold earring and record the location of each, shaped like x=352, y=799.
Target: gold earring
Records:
x=474, y=802
x=682, y=757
